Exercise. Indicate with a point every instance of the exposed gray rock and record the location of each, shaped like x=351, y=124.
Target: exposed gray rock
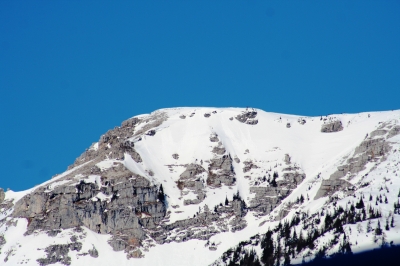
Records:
x=93, y=252
x=220, y=171
x=151, y=132
x=175, y=156
x=288, y=125
x=117, y=243
x=189, y=179
x=395, y=130
x=2, y=195
x=301, y=121
x=214, y=137
x=207, y=115
x=114, y=143
x=132, y=122
x=220, y=149
x=182, y=116
x=53, y=233
x=192, y=170
x=287, y=159
x=267, y=198
x=2, y=242
x=247, y=117
x=332, y=126
x=248, y=165
x=371, y=149
x=205, y=224
x=151, y=121
x=59, y=253
x=72, y=206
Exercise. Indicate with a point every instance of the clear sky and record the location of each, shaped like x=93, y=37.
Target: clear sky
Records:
x=71, y=70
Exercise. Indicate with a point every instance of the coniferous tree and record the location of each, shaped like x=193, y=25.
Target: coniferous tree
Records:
x=300, y=242
x=267, y=246
x=360, y=204
x=392, y=222
x=294, y=237
x=286, y=262
x=161, y=195
x=273, y=182
x=378, y=229
x=369, y=227
x=226, y=201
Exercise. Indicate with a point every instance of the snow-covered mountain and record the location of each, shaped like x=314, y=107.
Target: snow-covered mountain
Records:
x=202, y=186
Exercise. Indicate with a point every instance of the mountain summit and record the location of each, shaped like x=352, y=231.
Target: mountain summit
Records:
x=215, y=186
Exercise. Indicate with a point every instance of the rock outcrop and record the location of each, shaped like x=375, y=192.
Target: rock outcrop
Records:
x=247, y=117
x=372, y=149
x=268, y=197
x=125, y=205
x=332, y=126
x=2, y=195
x=220, y=171
x=191, y=180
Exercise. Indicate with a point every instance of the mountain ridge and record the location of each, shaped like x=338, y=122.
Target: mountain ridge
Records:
x=205, y=178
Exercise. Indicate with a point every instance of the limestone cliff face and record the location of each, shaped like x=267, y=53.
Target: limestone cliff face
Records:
x=131, y=205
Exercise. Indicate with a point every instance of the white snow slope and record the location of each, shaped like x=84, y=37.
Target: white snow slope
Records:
x=265, y=144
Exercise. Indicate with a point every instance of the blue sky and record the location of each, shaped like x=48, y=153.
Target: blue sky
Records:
x=71, y=70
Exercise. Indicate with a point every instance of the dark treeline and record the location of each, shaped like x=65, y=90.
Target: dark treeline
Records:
x=288, y=242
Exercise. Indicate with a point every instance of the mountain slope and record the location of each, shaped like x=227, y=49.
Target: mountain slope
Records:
x=184, y=185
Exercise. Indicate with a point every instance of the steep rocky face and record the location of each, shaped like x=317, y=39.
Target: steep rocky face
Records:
x=267, y=198
x=220, y=171
x=125, y=205
x=373, y=149
x=191, y=181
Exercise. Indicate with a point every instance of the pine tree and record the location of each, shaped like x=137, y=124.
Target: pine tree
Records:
x=370, y=197
x=267, y=246
x=273, y=182
x=301, y=198
x=387, y=225
x=378, y=229
x=226, y=201
x=369, y=227
x=161, y=195
x=287, y=258
x=392, y=222
x=360, y=204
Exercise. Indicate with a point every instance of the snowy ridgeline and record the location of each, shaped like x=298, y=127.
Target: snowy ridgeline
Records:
x=201, y=186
